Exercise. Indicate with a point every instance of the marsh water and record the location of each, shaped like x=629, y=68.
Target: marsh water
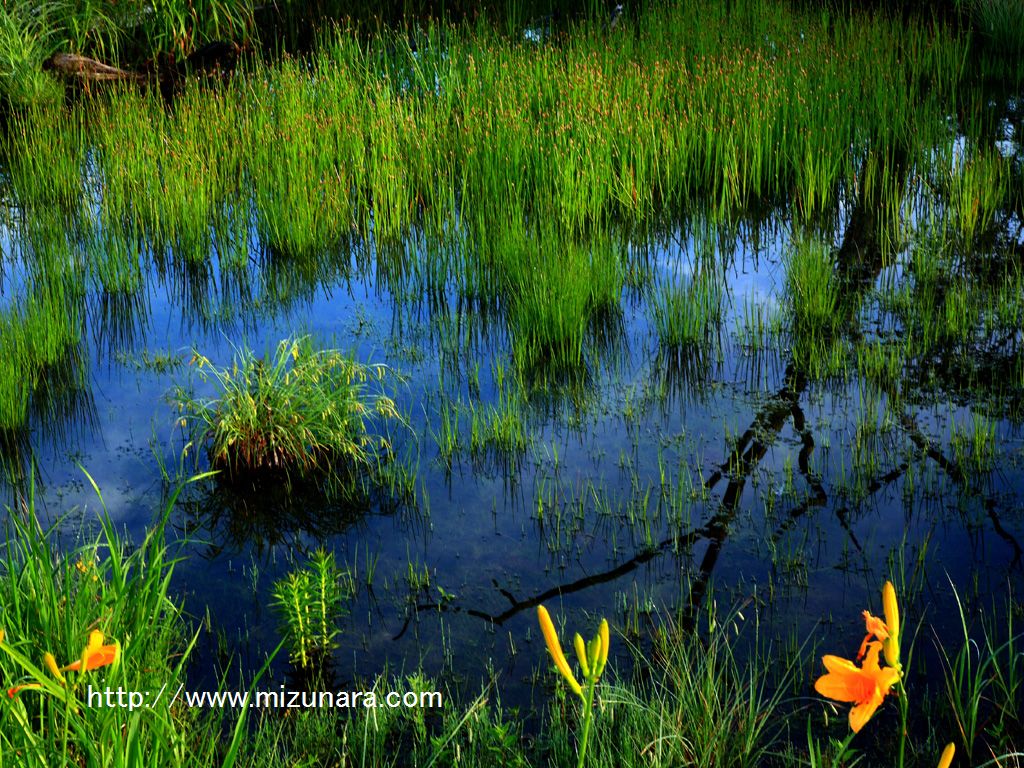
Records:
x=641, y=486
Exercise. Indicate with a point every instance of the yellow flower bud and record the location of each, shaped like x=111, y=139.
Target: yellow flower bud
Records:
x=581, y=654
x=947, y=755
x=51, y=664
x=891, y=646
x=547, y=628
x=604, y=634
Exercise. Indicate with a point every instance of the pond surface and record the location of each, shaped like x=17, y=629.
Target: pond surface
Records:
x=652, y=482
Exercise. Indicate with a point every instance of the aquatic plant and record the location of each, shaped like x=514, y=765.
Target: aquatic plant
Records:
x=303, y=411
x=686, y=315
x=309, y=602
x=812, y=288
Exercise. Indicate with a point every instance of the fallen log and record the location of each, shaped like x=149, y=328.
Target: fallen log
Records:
x=71, y=66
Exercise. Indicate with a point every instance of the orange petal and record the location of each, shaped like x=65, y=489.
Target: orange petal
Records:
x=101, y=658
x=886, y=679
x=861, y=713
x=94, y=658
x=836, y=687
x=875, y=626
x=839, y=665
x=871, y=658
x=12, y=692
x=848, y=688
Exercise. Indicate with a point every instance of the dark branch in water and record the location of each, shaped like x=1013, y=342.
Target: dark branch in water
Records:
x=517, y=606
x=958, y=475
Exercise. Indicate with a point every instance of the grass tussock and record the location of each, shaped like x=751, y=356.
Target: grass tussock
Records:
x=300, y=411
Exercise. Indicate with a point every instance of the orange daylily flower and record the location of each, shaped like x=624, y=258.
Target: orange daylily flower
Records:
x=875, y=629
x=94, y=656
x=865, y=686
x=947, y=755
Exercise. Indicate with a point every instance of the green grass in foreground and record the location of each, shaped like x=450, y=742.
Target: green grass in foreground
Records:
x=694, y=698
x=51, y=601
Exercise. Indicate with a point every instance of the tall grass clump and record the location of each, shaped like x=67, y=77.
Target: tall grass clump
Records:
x=298, y=412
x=815, y=310
x=105, y=608
x=984, y=685
x=699, y=705
x=31, y=340
x=304, y=152
x=25, y=42
x=686, y=313
x=132, y=31
x=978, y=186
x=44, y=149
x=999, y=22
x=554, y=291
x=813, y=288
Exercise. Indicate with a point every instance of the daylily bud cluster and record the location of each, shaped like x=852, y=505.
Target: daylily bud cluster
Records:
x=593, y=657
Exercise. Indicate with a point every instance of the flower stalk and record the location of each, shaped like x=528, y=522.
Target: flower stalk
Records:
x=592, y=656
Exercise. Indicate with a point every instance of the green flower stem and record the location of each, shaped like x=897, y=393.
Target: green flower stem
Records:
x=904, y=711
x=588, y=715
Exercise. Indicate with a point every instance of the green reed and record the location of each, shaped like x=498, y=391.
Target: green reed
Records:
x=813, y=289
x=510, y=162
x=33, y=338
x=686, y=314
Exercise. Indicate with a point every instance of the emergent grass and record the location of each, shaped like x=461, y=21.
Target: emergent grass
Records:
x=521, y=164
x=299, y=412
